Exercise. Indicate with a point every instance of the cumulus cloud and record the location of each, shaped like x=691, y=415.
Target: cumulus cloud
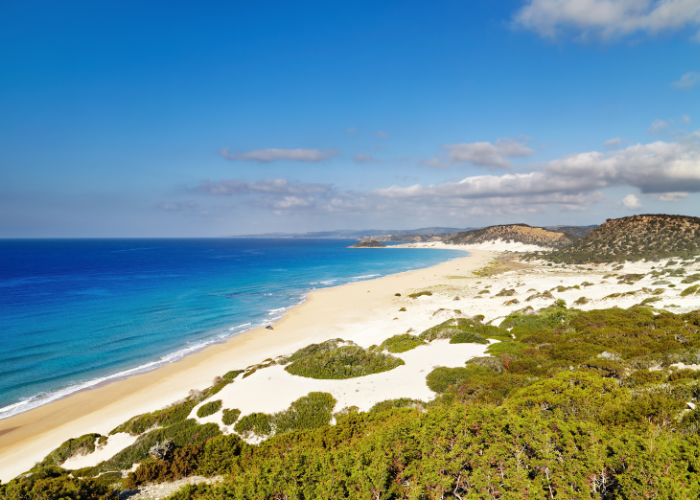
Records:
x=270, y=155
x=685, y=119
x=631, y=201
x=687, y=81
x=364, y=159
x=485, y=154
x=677, y=196
x=607, y=18
x=657, y=126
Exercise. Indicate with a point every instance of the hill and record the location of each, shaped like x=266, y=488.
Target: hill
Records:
x=368, y=244
x=517, y=233
x=638, y=237
x=422, y=234
x=578, y=231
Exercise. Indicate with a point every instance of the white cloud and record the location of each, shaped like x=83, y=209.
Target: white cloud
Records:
x=269, y=155
x=178, y=206
x=657, y=126
x=685, y=119
x=677, y=196
x=607, y=18
x=613, y=143
x=631, y=201
x=484, y=154
x=364, y=159
x=687, y=81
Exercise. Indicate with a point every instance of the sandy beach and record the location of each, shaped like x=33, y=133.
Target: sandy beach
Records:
x=357, y=311
x=366, y=313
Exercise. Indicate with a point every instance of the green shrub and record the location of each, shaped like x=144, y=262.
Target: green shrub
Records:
x=420, y=294
x=396, y=403
x=401, y=343
x=455, y=326
x=257, y=424
x=168, y=416
x=330, y=360
x=232, y=374
x=468, y=338
x=209, y=408
x=441, y=378
x=690, y=290
x=403, y=309
x=308, y=412
x=230, y=416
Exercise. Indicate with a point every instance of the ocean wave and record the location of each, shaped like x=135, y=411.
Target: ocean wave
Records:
x=365, y=276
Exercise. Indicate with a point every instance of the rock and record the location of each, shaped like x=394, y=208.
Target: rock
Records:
x=691, y=406
x=161, y=451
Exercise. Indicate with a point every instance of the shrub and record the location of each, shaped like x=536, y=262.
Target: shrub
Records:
x=257, y=424
x=396, y=403
x=468, y=338
x=230, y=416
x=455, y=326
x=232, y=374
x=441, y=378
x=308, y=412
x=330, y=360
x=506, y=293
x=690, y=290
x=420, y=294
x=401, y=343
x=403, y=309
x=209, y=408
x=168, y=416
x=581, y=301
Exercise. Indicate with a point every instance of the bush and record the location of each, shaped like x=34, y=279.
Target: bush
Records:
x=420, y=294
x=690, y=290
x=396, y=403
x=209, y=408
x=309, y=412
x=441, y=378
x=455, y=326
x=168, y=416
x=401, y=343
x=330, y=360
x=230, y=416
x=257, y=424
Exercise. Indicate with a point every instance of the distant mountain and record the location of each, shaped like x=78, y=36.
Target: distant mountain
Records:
x=520, y=233
x=578, y=231
x=423, y=234
x=650, y=237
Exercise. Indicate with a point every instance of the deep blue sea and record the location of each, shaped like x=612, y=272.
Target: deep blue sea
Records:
x=77, y=313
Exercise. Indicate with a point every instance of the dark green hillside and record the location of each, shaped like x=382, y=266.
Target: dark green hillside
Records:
x=638, y=237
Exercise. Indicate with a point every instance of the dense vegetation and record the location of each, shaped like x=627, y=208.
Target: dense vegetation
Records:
x=565, y=406
x=337, y=359
x=649, y=237
x=229, y=417
x=82, y=445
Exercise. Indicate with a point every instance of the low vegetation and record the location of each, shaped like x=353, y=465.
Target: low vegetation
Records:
x=84, y=445
x=420, y=294
x=401, y=343
x=337, y=359
x=461, y=330
x=518, y=233
x=209, y=408
x=229, y=417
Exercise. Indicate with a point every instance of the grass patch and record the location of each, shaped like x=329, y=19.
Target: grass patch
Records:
x=420, y=294
x=83, y=445
x=464, y=328
x=690, y=290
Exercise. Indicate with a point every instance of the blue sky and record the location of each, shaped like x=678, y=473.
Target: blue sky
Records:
x=220, y=118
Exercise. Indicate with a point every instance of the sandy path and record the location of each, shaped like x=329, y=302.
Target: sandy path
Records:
x=346, y=311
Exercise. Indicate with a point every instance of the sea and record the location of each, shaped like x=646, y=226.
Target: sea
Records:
x=75, y=314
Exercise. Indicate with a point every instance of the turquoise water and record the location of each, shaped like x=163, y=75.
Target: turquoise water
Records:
x=76, y=313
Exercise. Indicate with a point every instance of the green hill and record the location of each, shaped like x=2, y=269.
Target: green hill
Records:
x=638, y=237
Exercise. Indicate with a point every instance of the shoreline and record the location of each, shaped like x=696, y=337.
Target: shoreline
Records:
x=27, y=437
